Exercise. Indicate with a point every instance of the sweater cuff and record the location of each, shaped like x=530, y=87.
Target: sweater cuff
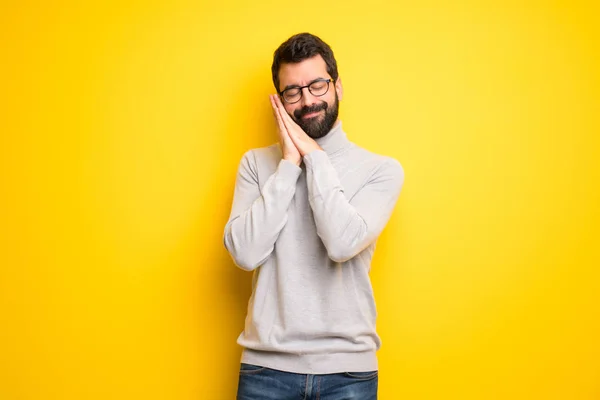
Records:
x=322, y=176
x=288, y=170
x=315, y=157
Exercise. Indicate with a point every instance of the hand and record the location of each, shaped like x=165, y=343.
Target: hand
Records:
x=288, y=149
x=303, y=143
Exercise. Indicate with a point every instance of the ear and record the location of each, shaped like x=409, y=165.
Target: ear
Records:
x=339, y=88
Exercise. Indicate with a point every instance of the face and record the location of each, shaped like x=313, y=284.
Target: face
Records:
x=316, y=115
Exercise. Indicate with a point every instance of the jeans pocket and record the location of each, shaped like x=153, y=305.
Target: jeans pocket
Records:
x=250, y=369
x=363, y=376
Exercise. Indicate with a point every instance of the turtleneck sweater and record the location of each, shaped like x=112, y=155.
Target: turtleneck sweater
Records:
x=308, y=233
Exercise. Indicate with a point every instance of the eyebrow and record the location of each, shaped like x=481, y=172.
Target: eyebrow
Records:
x=297, y=86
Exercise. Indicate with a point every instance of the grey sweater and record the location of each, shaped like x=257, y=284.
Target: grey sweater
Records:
x=309, y=234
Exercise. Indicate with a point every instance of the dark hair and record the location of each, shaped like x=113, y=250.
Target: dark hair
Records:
x=299, y=48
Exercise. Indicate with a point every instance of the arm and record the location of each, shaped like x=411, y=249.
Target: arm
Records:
x=347, y=227
x=258, y=216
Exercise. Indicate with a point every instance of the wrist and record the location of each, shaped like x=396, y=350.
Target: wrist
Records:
x=312, y=151
x=293, y=160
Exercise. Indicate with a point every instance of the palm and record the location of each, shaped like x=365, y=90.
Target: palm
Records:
x=288, y=149
x=294, y=140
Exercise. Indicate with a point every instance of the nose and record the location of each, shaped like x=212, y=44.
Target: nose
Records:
x=307, y=99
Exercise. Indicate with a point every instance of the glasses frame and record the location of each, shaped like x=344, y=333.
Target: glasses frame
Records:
x=328, y=81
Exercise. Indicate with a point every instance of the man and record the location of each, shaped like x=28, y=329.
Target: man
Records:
x=305, y=217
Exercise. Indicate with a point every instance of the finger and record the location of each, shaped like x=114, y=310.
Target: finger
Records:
x=294, y=131
x=277, y=106
x=282, y=128
x=273, y=105
x=277, y=100
x=274, y=98
x=288, y=120
x=287, y=124
x=281, y=107
x=285, y=117
x=293, y=134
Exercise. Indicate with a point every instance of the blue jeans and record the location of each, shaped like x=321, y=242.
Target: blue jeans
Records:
x=260, y=383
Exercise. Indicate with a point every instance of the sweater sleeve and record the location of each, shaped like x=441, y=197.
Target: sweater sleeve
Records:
x=348, y=226
x=257, y=216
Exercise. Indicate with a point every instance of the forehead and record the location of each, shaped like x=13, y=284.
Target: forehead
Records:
x=303, y=72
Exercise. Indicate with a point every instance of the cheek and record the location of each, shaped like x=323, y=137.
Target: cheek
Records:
x=331, y=97
x=291, y=108
x=331, y=100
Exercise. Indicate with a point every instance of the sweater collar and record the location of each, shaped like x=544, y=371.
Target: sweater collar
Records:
x=335, y=141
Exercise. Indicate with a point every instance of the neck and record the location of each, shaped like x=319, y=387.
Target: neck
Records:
x=335, y=140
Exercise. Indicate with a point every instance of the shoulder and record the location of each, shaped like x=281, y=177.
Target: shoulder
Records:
x=378, y=164
x=261, y=159
x=262, y=154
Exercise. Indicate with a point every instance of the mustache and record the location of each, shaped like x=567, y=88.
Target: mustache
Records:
x=301, y=112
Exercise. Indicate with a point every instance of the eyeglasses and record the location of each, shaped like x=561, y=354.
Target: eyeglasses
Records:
x=317, y=88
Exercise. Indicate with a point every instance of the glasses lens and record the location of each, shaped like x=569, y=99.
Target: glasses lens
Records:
x=319, y=88
x=291, y=95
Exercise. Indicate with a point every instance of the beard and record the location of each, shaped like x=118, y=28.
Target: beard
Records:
x=317, y=127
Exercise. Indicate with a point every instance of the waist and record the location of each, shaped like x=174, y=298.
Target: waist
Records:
x=315, y=363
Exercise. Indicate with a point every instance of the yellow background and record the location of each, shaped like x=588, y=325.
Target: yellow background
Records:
x=122, y=125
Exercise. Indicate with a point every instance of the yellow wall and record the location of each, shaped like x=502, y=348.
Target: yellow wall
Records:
x=122, y=125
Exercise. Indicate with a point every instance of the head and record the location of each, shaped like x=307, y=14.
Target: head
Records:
x=303, y=60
